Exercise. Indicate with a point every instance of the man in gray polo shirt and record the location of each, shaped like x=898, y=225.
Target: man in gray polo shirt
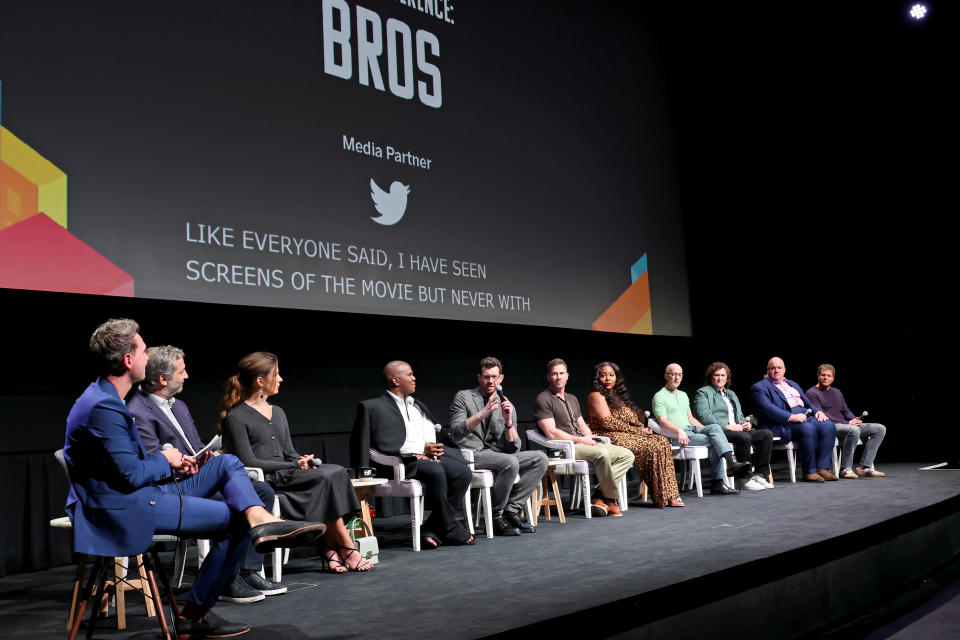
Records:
x=559, y=418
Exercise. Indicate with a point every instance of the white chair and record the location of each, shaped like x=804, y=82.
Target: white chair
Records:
x=579, y=469
x=692, y=455
x=401, y=487
x=791, y=449
x=484, y=502
x=483, y=480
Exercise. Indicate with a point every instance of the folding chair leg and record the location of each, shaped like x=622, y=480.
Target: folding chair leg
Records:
x=416, y=507
x=585, y=488
x=149, y=561
x=487, y=512
x=98, y=575
x=77, y=588
x=468, y=509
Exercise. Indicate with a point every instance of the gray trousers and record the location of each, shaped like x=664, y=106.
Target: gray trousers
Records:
x=848, y=434
x=713, y=437
x=505, y=495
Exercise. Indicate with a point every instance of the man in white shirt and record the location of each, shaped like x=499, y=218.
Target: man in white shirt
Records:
x=397, y=424
x=163, y=419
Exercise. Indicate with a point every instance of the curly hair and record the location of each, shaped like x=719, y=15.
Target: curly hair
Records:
x=618, y=396
x=708, y=376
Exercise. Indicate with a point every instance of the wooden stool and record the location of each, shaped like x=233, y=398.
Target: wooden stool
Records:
x=98, y=584
x=118, y=586
x=549, y=480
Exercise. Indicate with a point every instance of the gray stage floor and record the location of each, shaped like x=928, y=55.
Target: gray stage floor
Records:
x=503, y=583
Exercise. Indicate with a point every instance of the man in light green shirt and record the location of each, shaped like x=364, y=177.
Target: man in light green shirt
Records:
x=672, y=410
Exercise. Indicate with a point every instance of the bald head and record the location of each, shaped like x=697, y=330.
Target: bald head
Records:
x=673, y=375
x=399, y=378
x=776, y=370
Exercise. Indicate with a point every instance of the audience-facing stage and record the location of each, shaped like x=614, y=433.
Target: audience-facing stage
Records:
x=783, y=563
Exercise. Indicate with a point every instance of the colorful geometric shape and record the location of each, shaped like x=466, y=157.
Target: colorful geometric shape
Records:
x=39, y=254
x=630, y=313
x=638, y=268
x=29, y=183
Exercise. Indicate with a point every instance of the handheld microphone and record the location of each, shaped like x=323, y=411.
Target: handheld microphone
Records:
x=314, y=462
x=164, y=447
x=864, y=414
x=500, y=392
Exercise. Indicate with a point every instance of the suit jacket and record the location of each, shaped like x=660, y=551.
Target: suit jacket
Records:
x=709, y=407
x=379, y=424
x=155, y=427
x=112, y=495
x=486, y=436
x=771, y=406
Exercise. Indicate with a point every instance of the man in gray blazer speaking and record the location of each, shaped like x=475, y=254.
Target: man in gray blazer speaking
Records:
x=483, y=420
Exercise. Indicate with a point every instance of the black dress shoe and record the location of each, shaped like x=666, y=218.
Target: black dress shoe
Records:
x=211, y=626
x=739, y=469
x=720, y=489
x=239, y=592
x=261, y=584
x=503, y=528
x=286, y=533
x=518, y=521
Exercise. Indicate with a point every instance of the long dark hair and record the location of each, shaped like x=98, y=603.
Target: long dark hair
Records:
x=618, y=396
x=240, y=386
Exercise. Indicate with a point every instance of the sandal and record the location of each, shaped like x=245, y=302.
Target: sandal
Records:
x=429, y=541
x=459, y=536
x=362, y=564
x=335, y=563
x=676, y=502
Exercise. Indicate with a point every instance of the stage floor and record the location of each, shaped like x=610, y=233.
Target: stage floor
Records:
x=503, y=583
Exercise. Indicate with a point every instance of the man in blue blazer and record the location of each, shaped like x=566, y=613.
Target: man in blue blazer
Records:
x=783, y=407
x=119, y=495
x=163, y=419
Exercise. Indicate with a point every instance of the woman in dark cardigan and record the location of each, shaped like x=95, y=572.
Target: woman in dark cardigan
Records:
x=257, y=432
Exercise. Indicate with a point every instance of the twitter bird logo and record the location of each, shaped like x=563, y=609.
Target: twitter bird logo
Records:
x=391, y=206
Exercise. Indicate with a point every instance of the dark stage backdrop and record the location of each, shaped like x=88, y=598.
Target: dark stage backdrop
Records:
x=437, y=159
x=809, y=174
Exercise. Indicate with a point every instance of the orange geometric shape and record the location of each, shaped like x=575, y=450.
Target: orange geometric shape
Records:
x=39, y=254
x=29, y=183
x=630, y=313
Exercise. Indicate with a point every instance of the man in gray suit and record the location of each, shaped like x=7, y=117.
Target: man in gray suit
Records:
x=483, y=421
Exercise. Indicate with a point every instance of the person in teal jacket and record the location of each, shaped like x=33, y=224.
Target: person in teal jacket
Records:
x=715, y=403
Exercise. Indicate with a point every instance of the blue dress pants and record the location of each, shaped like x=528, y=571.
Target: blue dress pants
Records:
x=223, y=522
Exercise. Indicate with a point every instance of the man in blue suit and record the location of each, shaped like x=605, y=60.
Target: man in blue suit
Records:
x=163, y=419
x=119, y=496
x=785, y=409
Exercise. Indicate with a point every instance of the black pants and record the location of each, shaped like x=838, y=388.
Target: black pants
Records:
x=444, y=485
x=760, y=439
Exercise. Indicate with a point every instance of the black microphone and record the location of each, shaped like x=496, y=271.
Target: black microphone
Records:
x=314, y=462
x=164, y=447
x=864, y=415
x=500, y=392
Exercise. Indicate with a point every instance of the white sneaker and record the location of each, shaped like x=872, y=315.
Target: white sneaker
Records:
x=762, y=481
x=753, y=485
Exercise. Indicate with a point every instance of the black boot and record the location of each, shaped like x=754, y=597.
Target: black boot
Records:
x=737, y=469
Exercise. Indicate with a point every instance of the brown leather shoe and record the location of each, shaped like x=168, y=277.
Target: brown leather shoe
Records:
x=826, y=475
x=812, y=477
x=598, y=508
x=613, y=507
